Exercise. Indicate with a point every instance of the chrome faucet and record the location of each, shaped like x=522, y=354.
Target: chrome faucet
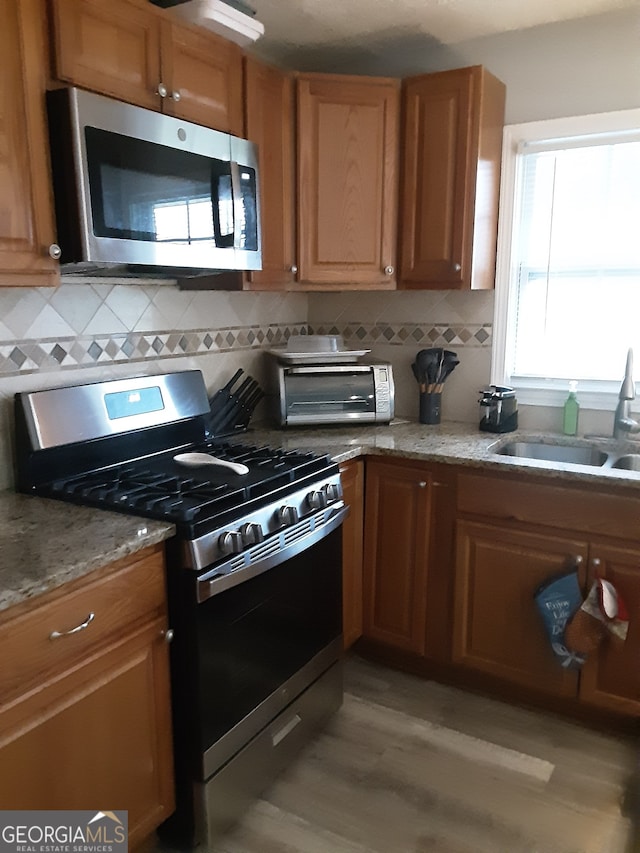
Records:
x=623, y=423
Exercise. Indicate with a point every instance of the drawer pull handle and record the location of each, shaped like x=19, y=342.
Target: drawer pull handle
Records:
x=286, y=729
x=55, y=634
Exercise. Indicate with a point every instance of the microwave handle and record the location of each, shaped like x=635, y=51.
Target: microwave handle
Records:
x=238, y=204
x=222, y=241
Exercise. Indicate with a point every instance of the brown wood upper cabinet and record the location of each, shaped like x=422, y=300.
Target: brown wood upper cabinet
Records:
x=269, y=109
x=453, y=122
x=133, y=51
x=347, y=134
x=28, y=254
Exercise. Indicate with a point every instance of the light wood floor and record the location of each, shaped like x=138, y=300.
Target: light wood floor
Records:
x=410, y=766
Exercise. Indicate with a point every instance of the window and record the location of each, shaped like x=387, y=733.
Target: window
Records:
x=568, y=277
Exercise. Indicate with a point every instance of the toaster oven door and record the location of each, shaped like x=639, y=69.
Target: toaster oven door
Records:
x=328, y=394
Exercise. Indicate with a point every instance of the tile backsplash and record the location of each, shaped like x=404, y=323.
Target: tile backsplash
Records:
x=91, y=329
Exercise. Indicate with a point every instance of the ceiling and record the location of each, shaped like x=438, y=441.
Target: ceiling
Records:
x=308, y=33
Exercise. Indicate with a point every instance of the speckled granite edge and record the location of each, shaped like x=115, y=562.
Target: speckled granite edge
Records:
x=452, y=443
x=46, y=543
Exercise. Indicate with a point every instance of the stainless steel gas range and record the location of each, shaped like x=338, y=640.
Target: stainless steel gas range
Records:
x=253, y=575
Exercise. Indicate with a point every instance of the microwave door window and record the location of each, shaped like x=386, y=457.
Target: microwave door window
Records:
x=152, y=193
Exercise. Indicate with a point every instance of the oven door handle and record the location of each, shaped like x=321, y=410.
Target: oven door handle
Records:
x=224, y=576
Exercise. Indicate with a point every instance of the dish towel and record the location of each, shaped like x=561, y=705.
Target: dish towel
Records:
x=558, y=600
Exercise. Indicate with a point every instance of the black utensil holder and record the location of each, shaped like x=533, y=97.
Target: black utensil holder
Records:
x=430, y=406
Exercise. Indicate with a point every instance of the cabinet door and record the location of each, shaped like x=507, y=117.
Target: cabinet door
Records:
x=112, y=48
x=352, y=476
x=203, y=75
x=269, y=123
x=497, y=627
x=26, y=206
x=396, y=554
x=451, y=172
x=347, y=176
x=611, y=677
x=100, y=733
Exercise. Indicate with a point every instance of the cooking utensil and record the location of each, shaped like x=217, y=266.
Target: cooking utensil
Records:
x=197, y=460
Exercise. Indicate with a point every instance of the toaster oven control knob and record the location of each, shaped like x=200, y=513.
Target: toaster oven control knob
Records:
x=251, y=533
x=230, y=542
x=333, y=492
x=317, y=500
x=287, y=515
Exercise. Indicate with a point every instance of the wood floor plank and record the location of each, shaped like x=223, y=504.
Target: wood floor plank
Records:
x=410, y=766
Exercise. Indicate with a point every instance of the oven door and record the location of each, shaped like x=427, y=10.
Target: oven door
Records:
x=249, y=640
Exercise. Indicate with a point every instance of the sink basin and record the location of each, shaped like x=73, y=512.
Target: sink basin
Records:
x=572, y=453
x=629, y=462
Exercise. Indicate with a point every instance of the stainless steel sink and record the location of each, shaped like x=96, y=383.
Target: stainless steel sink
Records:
x=628, y=462
x=576, y=454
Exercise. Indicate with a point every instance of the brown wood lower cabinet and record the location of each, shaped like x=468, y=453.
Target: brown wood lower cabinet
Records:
x=88, y=724
x=512, y=536
x=352, y=476
x=498, y=629
x=407, y=557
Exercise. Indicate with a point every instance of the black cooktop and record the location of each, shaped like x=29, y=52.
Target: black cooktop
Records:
x=195, y=499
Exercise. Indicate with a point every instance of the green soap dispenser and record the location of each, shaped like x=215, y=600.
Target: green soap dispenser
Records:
x=571, y=411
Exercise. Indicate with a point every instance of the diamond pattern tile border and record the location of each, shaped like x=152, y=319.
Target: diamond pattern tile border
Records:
x=426, y=335
x=48, y=354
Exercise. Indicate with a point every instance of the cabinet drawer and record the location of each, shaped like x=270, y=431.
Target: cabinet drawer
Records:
x=119, y=600
x=554, y=506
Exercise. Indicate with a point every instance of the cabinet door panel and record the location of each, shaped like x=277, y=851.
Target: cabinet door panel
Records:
x=347, y=194
x=112, y=48
x=269, y=123
x=206, y=71
x=611, y=676
x=453, y=124
x=26, y=205
x=102, y=734
x=352, y=476
x=396, y=553
x=497, y=627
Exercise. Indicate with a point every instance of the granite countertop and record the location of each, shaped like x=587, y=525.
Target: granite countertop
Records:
x=45, y=543
x=452, y=443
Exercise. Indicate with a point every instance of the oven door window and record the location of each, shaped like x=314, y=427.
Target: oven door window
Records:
x=330, y=393
x=254, y=636
x=156, y=194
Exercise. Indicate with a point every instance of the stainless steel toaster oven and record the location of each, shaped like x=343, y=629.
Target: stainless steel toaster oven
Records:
x=330, y=393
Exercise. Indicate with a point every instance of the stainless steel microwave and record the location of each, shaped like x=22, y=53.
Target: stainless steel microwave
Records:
x=138, y=191
x=303, y=395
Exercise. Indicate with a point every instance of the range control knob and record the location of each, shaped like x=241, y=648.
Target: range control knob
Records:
x=287, y=515
x=230, y=542
x=333, y=492
x=251, y=533
x=317, y=500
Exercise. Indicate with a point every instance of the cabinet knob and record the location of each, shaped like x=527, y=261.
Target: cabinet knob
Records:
x=161, y=90
x=176, y=96
x=55, y=251
x=596, y=563
x=389, y=270
x=167, y=635
x=422, y=484
x=294, y=269
x=457, y=267
x=578, y=560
